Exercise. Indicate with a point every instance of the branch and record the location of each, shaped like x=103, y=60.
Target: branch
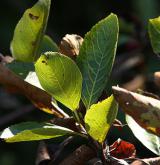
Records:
x=38, y=97
x=80, y=156
x=43, y=156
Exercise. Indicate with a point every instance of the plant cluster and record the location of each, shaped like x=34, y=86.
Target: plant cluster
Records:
x=69, y=81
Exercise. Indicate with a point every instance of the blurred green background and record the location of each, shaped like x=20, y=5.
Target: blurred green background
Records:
x=72, y=17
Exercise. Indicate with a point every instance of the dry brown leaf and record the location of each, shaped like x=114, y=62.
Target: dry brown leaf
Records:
x=70, y=45
x=39, y=98
x=144, y=110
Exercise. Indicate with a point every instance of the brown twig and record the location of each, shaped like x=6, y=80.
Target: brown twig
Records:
x=43, y=156
x=60, y=149
x=80, y=156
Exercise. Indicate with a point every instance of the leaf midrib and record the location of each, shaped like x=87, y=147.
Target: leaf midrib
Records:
x=60, y=86
x=99, y=67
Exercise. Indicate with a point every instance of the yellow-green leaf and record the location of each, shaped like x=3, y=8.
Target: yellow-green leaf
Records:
x=60, y=76
x=154, y=33
x=29, y=32
x=99, y=118
x=29, y=131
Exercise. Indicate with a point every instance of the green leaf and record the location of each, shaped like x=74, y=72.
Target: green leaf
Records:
x=29, y=131
x=22, y=69
x=154, y=34
x=96, y=58
x=60, y=76
x=149, y=140
x=99, y=118
x=26, y=71
x=29, y=32
x=38, y=97
x=48, y=45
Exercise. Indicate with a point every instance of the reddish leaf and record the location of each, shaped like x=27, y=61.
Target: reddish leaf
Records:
x=122, y=149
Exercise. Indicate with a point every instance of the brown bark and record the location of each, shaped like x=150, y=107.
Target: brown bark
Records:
x=80, y=156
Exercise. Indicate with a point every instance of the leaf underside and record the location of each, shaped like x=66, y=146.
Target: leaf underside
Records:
x=29, y=131
x=149, y=140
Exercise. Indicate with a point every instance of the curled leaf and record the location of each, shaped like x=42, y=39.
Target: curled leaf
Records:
x=70, y=45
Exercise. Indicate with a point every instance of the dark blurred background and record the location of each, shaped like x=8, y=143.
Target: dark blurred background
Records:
x=73, y=16
x=133, y=69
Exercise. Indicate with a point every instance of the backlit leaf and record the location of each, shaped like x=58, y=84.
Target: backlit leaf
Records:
x=39, y=97
x=154, y=33
x=30, y=131
x=60, y=77
x=144, y=110
x=96, y=58
x=152, y=142
x=29, y=32
x=100, y=117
